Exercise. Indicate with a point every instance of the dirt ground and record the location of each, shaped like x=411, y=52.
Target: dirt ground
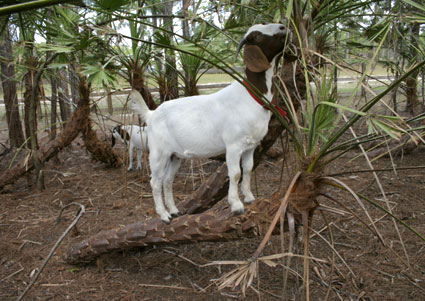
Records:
x=364, y=268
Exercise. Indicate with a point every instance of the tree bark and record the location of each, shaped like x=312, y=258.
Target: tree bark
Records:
x=414, y=106
x=31, y=65
x=63, y=95
x=73, y=82
x=138, y=83
x=172, y=82
x=53, y=107
x=109, y=101
x=16, y=134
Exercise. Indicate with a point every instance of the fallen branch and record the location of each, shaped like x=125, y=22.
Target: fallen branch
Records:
x=217, y=223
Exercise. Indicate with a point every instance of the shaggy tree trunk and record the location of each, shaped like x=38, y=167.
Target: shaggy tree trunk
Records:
x=172, y=82
x=138, y=83
x=53, y=147
x=32, y=66
x=414, y=106
x=53, y=107
x=73, y=82
x=16, y=135
x=109, y=101
x=100, y=150
x=217, y=223
x=63, y=95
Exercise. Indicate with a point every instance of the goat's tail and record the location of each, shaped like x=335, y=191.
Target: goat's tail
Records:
x=138, y=104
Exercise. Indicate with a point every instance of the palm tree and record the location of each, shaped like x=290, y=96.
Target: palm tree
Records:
x=16, y=135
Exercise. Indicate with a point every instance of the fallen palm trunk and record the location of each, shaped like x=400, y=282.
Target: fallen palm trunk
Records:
x=217, y=223
x=100, y=150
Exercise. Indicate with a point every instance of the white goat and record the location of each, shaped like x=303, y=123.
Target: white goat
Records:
x=134, y=137
x=229, y=121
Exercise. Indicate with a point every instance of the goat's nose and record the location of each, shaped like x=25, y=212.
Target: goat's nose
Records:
x=282, y=27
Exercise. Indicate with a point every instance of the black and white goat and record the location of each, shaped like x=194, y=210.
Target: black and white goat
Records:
x=134, y=137
x=229, y=121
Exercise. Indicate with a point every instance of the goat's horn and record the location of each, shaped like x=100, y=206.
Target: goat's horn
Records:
x=241, y=43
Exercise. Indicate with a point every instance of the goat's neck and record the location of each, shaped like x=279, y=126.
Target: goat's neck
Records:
x=262, y=80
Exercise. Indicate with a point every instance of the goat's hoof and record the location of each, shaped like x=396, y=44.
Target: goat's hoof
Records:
x=238, y=208
x=166, y=217
x=129, y=169
x=165, y=220
x=249, y=199
x=174, y=215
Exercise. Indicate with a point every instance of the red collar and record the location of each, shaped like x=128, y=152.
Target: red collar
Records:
x=261, y=103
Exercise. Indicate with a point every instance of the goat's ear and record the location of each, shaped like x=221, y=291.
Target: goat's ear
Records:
x=255, y=59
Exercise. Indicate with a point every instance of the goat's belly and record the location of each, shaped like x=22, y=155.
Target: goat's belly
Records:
x=200, y=150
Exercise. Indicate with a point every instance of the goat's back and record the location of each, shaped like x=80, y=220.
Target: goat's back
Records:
x=202, y=126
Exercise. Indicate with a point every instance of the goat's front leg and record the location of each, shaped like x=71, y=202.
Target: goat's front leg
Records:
x=139, y=159
x=247, y=165
x=130, y=158
x=158, y=163
x=233, y=157
x=170, y=174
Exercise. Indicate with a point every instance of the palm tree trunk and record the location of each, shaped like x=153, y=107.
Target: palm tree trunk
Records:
x=63, y=95
x=215, y=224
x=414, y=105
x=73, y=82
x=16, y=135
x=31, y=64
x=53, y=107
x=170, y=57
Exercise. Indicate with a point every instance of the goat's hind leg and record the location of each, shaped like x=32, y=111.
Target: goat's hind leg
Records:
x=130, y=157
x=139, y=159
x=233, y=158
x=172, y=168
x=158, y=163
x=247, y=165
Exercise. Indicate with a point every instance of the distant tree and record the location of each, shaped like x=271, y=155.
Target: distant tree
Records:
x=8, y=79
x=171, y=74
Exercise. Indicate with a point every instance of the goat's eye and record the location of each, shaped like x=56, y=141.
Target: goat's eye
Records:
x=257, y=36
x=282, y=27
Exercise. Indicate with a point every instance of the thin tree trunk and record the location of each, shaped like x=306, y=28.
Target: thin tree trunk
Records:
x=170, y=57
x=31, y=64
x=53, y=107
x=73, y=82
x=414, y=106
x=63, y=95
x=109, y=101
x=16, y=135
x=190, y=87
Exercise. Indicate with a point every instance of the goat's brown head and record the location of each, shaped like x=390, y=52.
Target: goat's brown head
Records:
x=262, y=44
